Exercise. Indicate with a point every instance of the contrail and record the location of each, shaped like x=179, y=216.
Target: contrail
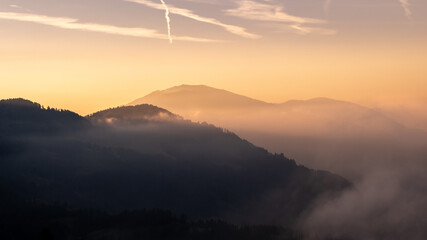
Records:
x=326, y=6
x=240, y=31
x=168, y=20
x=405, y=5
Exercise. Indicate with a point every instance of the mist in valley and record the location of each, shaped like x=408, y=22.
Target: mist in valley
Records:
x=144, y=157
x=383, y=156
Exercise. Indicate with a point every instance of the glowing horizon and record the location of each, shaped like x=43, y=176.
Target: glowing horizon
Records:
x=86, y=56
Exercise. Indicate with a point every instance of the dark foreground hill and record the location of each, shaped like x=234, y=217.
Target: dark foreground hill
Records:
x=145, y=157
x=48, y=222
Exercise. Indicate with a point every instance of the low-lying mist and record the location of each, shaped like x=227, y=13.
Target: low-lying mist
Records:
x=387, y=166
x=144, y=157
x=386, y=160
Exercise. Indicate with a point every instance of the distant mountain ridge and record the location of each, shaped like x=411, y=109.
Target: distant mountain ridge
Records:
x=233, y=111
x=215, y=97
x=320, y=132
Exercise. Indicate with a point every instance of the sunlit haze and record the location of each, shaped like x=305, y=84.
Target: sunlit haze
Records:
x=213, y=119
x=88, y=55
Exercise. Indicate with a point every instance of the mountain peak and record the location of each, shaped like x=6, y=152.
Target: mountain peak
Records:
x=198, y=97
x=142, y=112
x=19, y=102
x=21, y=116
x=189, y=86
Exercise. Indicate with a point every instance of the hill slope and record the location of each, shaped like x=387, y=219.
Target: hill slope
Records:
x=196, y=169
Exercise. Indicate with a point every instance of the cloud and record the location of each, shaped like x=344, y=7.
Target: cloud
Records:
x=240, y=31
x=312, y=30
x=273, y=13
x=267, y=12
x=212, y=2
x=19, y=7
x=73, y=24
x=385, y=205
x=405, y=5
x=14, y=6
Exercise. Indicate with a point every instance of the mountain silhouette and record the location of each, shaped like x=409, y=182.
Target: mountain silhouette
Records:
x=20, y=116
x=141, y=161
x=224, y=108
x=233, y=111
x=321, y=133
x=191, y=99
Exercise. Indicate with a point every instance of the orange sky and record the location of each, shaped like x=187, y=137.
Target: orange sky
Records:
x=370, y=54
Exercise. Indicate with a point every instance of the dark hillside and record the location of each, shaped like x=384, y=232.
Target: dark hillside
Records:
x=195, y=169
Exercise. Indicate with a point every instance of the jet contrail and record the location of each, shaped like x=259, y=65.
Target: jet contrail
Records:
x=168, y=20
x=405, y=5
x=326, y=6
x=240, y=31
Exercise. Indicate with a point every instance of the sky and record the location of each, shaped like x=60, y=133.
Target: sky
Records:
x=89, y=55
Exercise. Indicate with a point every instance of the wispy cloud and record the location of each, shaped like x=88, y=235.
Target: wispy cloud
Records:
x=212, y=2
x=240, y=31
x=405, y=5
x=312, y=30
x=74, y=24
x=299, y=29
x=19, y=7
x=14, y=6
x=269, y=12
